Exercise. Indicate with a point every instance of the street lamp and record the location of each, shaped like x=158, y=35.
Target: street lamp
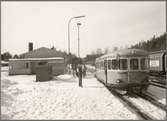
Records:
x=78, y=24
x=69, y=32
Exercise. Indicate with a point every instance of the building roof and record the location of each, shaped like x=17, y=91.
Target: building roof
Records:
x=37, y=59
x=42, y=52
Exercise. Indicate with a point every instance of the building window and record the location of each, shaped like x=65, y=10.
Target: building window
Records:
x=42, y=63
x=123, y=64
x=134, y=64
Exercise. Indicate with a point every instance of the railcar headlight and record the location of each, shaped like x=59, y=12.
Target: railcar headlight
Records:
x=118, y=81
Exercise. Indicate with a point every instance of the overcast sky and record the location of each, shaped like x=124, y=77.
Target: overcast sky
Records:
x=107, y=24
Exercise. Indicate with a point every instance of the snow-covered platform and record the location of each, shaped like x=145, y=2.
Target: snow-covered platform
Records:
x=61, y=98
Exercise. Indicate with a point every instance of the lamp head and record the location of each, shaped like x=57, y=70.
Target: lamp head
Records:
x=78, y=24
x=79, y=16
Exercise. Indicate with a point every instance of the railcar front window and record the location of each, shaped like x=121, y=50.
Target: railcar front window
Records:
x=115, y=64
x=143, y=63
x=123, y=64
x=109, y=64
x=134, y=64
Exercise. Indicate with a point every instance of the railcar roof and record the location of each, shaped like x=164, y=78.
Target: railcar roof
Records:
x=158, y=52
x=126, y=53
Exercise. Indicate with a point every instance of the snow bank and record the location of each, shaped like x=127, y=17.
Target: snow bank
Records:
x=65, y=76
x=59, y=99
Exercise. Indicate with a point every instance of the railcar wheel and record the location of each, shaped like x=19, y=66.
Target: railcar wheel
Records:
x=137, y=90
x=129, y=90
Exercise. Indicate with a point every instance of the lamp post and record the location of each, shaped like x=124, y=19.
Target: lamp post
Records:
x=69, y=32
x=78, y=24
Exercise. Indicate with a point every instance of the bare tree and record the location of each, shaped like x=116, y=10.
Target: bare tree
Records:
x=115, y=48
x=93, y=53
x=99, y=51
x=106, y=50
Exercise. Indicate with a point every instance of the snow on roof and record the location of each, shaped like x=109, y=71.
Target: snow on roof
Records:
x=36, y=59
x=124, y=53
x=4, y=62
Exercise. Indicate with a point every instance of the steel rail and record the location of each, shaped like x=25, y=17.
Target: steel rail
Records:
x=132, y=106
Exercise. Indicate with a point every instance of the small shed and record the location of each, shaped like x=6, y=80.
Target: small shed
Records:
x=44, y=73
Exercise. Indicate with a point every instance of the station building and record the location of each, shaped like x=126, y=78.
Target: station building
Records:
x=31, y=60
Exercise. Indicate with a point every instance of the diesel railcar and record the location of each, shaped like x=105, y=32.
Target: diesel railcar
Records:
x=125, y=69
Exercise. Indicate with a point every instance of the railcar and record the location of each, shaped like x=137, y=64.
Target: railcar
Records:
x=157, y=63
x=125, y=69
x=158, y=66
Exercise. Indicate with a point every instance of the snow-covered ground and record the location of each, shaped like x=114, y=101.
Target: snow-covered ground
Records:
x=149, y=108
x=90, y=68
x=60, y=98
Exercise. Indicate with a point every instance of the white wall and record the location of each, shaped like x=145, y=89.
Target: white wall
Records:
x=19, y=67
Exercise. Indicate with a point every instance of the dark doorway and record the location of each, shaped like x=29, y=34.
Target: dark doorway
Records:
x=33, y=67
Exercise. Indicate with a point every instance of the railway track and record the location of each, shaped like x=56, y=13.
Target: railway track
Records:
x=157, y=84
x=133, y=107
x=144, y=115
x=153, y=101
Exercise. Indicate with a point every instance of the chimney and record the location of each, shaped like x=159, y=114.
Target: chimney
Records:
x=30, y=46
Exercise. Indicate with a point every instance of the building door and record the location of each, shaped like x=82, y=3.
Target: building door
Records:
x=33, y=67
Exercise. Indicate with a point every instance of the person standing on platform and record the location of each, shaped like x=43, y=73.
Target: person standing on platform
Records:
x=80, y=72
x=84, y=70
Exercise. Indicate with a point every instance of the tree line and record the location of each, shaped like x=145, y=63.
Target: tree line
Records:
x=154, y=44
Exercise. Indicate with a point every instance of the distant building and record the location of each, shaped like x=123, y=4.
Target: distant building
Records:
x=29, y=61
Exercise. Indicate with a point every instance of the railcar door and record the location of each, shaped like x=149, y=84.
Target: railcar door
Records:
x=105, y=70
x=133, y=72
x=138, y=70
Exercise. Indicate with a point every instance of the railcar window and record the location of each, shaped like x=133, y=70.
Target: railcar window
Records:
x=143, y=63
x=109, y=64
x=101, y=64
x=123, y=64
x=96, y=65
x=134, y=64
x=115, y=64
